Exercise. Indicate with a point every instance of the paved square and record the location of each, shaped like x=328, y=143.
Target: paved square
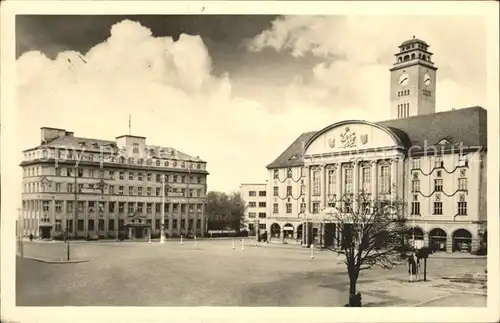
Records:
x=211, y=274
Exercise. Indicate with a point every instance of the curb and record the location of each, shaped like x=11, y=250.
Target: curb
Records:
x=430, y=300
x=57, y=261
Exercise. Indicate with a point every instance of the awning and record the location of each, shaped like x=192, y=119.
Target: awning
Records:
x=45, y=225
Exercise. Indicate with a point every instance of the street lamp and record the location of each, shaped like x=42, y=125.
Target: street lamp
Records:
x=100, y=205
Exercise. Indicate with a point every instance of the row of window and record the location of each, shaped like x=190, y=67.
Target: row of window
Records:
x=132, y=207
x=254, y=204
x=68, y=155
x=403, y=110
x=438, y=185
x=438, y=161
x=111, y=189
x=404, y=93
x=276, y=173
x=254, y=193
x=111, y=224
x=252, y=215
x=438, y=208
x=112, y=175
x=384, y=182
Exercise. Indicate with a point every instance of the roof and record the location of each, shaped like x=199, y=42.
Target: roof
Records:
x=292, y=156
x=413, y=41
x=95, y=145
x=466, y=126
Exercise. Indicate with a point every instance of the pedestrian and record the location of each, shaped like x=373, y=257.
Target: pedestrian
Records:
x=412, y=266
x=31, y=236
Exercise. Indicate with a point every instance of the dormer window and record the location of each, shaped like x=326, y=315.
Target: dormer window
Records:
x=444, y=141
x=438, y=162
x=131, y=160
x=183, y=165
x=294, y=157
x=162, y=153
x=135, y=148
x=82, y=144
x=167, y=164
x=172, y=153
x=198, y=166
x=158, y=163
x=95, y=145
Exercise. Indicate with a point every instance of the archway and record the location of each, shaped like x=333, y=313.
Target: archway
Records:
x=462, y=240
x=416, y=236
x=288, y=230
x=437, y=239
x=275, y=230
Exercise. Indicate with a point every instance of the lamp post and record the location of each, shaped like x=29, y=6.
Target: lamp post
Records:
x=162, y=226
x=101, y=186
x=20, y=231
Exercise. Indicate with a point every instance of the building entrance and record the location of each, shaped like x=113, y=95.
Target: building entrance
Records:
x=45, y=232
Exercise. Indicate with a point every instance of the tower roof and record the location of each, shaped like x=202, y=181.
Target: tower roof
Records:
x=413, y=41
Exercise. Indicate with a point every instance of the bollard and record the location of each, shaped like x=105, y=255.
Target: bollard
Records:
x=233, y=244
x=242, y=244
x=312, y=251
x=181, y=239
x=195, y=241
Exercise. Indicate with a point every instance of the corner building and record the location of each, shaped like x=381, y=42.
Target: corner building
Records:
x=92, y=187
x=255, y=197
x=435, y=162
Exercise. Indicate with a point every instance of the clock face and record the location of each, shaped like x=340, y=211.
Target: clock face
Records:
x=427, y=79
x=403, y=79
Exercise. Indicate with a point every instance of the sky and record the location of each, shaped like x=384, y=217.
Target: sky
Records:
x=234, y=90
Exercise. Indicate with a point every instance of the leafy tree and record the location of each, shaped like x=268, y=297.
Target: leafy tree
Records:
x=226, y=210
x=372, y=233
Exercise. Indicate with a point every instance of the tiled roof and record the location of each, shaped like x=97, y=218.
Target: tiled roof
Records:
x=467, y=126
x=292, y=156
x=94, y=145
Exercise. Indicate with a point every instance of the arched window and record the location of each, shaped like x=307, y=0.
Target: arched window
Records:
x=157, y=163
x=413, y=56
x=407, y=57
x=400, y=60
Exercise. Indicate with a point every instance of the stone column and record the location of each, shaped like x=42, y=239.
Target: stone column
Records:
x=179, y=218
x=323, y=185
x=338, y=181
x=170, y=219
x=449, y=243
x=202, y=222
x=394, y=168
x=86, y=217
x=195, y=216
x=374, y=165
x=355, y=186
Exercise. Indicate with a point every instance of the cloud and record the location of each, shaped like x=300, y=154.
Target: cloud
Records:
x=173, y=98
x=357, y=51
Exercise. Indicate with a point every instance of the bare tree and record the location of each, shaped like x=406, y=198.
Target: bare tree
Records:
x=372, y=233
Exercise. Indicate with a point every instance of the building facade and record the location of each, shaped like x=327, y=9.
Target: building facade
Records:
x=255, y=197
x=435, y=162
x=90, y=187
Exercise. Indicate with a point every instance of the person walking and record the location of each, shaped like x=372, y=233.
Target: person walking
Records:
x=412, y=266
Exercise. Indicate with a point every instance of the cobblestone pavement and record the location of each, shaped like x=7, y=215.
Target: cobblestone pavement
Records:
x=212, y=273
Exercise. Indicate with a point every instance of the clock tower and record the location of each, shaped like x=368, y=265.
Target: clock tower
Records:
x=413, y=80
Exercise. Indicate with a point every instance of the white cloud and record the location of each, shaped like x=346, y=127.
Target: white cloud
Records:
x=176, y=101
x=168, y=88
x=358, y=51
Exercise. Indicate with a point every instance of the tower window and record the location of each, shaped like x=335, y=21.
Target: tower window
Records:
x=407, y=57
x=413, y=56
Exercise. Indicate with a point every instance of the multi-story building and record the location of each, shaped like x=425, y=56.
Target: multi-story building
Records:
x=255, y=197
x=435, y=162
x=92, y=187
